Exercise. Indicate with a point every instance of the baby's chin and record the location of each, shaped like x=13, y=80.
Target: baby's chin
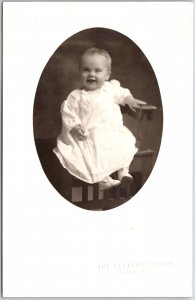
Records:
x=92, y=86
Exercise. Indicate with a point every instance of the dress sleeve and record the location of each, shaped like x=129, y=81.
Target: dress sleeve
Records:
x=70, y=111
x=120, y=93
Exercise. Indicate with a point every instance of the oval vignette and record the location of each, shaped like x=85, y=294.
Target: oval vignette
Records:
x=61, y=75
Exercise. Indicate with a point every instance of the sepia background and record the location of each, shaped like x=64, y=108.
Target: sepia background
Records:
x=61, y=75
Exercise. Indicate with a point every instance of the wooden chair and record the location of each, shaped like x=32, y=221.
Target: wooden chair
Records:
x=88, y=196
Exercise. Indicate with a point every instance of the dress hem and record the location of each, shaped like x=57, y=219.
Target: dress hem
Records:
x=59, y=156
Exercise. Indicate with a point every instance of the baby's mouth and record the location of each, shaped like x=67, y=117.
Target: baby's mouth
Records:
x=91, y=80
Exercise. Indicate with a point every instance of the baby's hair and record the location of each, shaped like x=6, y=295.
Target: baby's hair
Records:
x=94, y=50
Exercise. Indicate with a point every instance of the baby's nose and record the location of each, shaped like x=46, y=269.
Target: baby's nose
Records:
x=92, y=73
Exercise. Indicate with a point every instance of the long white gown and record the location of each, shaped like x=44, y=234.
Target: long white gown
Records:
x=109, y=145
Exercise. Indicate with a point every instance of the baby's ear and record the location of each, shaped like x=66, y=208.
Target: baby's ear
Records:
x=108, y=75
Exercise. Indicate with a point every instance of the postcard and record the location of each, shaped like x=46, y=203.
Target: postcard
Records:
x=97, y=149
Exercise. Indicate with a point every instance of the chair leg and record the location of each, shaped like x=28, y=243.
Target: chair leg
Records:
x=85, y=194
x=117, y=193
x=111, y=198
x=96, y=193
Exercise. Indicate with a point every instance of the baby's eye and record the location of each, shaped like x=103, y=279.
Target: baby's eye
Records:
x=98, y=70
x=85, y=70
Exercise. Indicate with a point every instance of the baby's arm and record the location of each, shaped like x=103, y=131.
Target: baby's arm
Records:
x=123, y=96
x=78, y=133
x=70, y=111
x=133, y=103
x=70, y=116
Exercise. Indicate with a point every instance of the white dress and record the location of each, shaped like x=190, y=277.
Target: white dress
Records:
x=109, y=146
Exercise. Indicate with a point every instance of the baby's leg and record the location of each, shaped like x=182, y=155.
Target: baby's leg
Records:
x=124, y=176
x=108, y=183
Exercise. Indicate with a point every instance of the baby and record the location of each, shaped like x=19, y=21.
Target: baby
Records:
x=93, y=142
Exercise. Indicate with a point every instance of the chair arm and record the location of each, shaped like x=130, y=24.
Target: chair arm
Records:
x=146, y=109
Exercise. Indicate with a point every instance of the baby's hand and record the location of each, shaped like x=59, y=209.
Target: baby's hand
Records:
x=134, y=103
x=78, y=133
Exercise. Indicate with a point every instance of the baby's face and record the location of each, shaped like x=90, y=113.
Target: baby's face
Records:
x=94, y=71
